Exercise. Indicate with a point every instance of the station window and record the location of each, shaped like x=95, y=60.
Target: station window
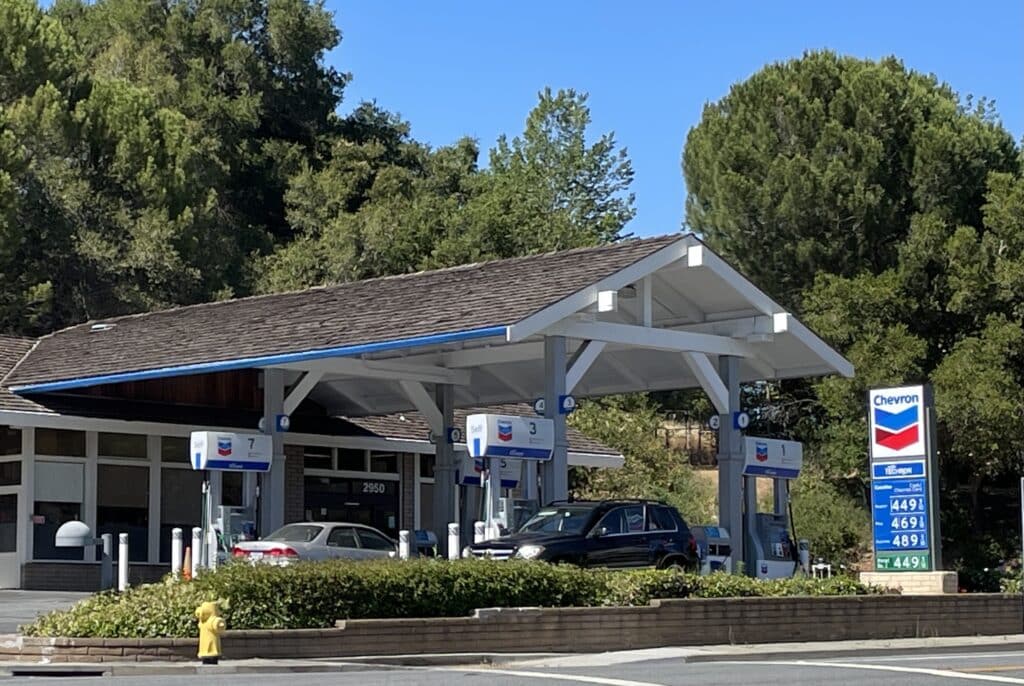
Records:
x=122, y=506
x=59, y=489
x=8, y=523
x=174, y=449
x=317, y=457
x=383, y=463
x=10, y=441
x=131, y=446
x=181, y=496
x=351, y=460
x=10, y=473
x=427, y=463
x=60, y=442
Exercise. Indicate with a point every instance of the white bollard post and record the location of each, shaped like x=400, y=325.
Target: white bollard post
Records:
x=403, y=544
x=176, y=551
x=211, y=549
x=122, y=563
x=479, y=532
x=197, y=550
x=493, y=531
x=453, y=541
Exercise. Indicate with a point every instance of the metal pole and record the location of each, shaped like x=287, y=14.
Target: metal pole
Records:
x=453, y=541
x=122, y=562
x=1022, y=532
x=403, y=544
x=197, y=547
x=107, y=562
x=176, y=551
x=493, y=492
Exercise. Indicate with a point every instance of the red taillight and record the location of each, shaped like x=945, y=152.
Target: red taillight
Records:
x=283, y=551
x=693, y=544
x=238, y=552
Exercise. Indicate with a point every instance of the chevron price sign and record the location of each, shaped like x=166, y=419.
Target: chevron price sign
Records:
x=903, y=494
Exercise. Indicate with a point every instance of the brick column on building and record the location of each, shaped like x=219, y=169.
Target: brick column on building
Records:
x=407, y=463
x=294, y=484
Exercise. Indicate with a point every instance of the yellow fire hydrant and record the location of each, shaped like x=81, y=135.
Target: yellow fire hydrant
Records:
x=211, y=626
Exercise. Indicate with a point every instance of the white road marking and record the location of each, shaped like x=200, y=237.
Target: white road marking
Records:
x=936, y=656
x=604, y=681
x=948, y=674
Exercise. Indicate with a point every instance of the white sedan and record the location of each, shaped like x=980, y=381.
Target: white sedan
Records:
x=317, y=541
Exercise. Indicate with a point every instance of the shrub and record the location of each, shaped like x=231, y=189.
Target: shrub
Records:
x=315, y=595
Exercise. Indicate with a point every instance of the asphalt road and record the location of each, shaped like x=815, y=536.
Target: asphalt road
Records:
x=21, y=607
x=625, y=669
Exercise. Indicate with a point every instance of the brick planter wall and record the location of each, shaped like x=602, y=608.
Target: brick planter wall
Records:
x=85, y=576
x=663, y=623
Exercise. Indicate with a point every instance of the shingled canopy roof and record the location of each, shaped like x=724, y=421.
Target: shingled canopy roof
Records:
x=478, y=327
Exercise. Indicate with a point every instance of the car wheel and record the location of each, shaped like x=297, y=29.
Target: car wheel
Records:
x=675, y=565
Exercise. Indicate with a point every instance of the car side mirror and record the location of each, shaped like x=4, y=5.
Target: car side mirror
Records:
x=599, y=532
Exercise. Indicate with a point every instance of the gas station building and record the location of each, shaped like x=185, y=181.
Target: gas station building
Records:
x=371, y=378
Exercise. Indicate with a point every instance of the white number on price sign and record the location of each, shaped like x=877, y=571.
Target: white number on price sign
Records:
x=374, y=487
x=913, y=522
x=907, y=504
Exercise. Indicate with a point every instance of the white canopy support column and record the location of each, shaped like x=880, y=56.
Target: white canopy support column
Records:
x=555, y=473
x=444, y=466
x=301, y=389
x=271, y=495
x=730, y=461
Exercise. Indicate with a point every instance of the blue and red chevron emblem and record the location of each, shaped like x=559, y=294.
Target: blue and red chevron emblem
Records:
x=897, y=430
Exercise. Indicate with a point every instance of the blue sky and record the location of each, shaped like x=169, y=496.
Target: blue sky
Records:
x=474, y=68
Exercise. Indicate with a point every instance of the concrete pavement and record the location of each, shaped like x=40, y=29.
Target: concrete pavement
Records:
x=21, y=607
x=628, y=665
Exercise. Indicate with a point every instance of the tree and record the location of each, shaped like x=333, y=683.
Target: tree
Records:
x=378, y=202
x=820, y=164
x=873, y=200
x=145, y=148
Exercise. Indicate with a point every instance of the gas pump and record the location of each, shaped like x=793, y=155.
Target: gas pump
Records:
x=771, y=550
x=473, y=472
x=499, y=442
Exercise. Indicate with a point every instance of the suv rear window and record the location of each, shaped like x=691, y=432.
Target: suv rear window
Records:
x=660, y=519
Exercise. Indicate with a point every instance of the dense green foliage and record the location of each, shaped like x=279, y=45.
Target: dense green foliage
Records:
x=651, y=470
x=161, y=153
x=315, y=595
x=889, y=212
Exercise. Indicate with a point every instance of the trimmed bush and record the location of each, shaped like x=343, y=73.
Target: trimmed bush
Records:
x=315, y=595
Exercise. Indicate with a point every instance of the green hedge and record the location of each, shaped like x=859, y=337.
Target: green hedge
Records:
x=315, y=595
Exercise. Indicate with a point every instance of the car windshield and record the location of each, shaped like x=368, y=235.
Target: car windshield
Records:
x=303, y=533
x=558, y=520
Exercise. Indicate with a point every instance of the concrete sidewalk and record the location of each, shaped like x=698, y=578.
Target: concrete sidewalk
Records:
x=765, y=651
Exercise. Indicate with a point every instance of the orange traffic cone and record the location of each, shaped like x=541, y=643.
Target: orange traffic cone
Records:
x=186, y=565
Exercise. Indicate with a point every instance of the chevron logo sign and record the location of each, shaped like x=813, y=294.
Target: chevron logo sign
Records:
x=897, y=430
x=896, y=426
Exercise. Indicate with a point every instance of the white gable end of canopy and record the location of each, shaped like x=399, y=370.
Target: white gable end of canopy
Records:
x=678, y=310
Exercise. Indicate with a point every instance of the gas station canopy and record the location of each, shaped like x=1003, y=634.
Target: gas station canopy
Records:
x=639, y=315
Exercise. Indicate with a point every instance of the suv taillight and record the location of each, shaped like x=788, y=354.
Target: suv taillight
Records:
x=693, y=545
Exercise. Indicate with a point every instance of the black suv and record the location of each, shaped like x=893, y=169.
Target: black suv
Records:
x=607, y=533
